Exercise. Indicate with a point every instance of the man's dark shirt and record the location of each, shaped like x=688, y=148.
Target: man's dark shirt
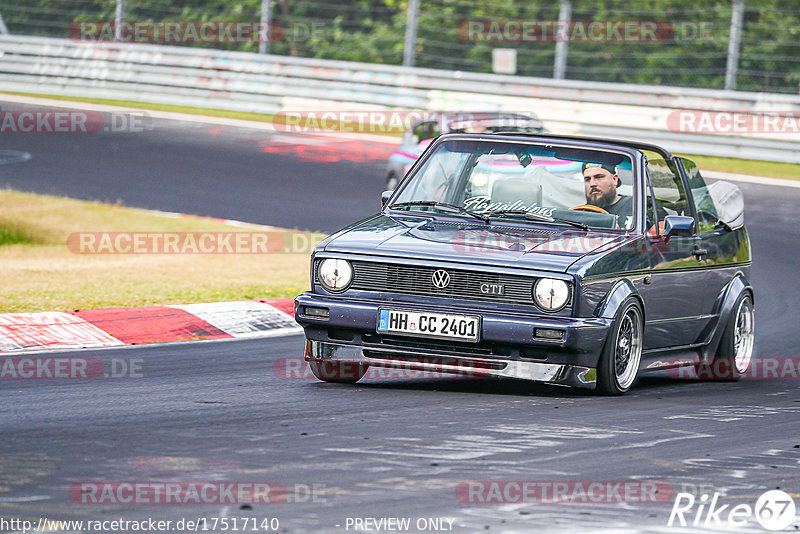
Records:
x=622, y=208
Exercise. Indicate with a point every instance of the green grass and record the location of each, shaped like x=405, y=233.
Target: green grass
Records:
x=11, y=235
x=42, y=273
x=244, y=115
x=770, y=169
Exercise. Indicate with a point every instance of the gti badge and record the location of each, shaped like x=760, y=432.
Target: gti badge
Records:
x=440, y=278
x=492, y=289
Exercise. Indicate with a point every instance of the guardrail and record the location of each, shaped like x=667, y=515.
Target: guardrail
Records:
x=269, y=83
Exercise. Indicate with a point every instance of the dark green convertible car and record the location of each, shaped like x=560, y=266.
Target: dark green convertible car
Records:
x=576, y=261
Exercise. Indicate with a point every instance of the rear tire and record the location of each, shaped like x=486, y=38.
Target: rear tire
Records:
x=735, y=349
x=338, y=372
x=619, y=364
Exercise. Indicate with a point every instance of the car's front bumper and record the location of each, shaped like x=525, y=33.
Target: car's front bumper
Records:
x=507, y=347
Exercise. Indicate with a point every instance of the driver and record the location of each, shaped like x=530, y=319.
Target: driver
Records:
x=601, y=182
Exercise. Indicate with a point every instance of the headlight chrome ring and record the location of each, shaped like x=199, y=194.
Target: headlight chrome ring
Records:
x=550, y=294
x=335, y=274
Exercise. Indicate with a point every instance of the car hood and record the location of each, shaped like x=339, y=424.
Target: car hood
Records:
x=550, y=248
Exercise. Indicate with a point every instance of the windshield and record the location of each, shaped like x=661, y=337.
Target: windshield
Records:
x=487, y=177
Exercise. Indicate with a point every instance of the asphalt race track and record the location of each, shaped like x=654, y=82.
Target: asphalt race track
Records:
x=259, y=176
x=393, y=446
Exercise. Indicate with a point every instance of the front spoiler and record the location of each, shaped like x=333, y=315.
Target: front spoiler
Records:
x=568, y=375
x=582, y=344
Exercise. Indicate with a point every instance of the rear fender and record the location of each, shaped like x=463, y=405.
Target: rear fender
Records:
x=724, y=309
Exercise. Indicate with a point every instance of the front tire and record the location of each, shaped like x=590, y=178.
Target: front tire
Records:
x=391, y=182
x=735, y=349
x=619, y=363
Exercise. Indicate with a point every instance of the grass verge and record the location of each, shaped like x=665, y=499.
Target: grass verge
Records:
x=40, y=273
x=208, y=112
x=770, y=169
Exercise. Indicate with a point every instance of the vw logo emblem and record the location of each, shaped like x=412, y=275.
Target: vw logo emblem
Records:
x=440, y=278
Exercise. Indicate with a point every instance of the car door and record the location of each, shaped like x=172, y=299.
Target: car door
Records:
x=720, y=245
x=677, y=290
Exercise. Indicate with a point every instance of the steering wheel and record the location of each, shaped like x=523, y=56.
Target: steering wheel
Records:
x=589, y=207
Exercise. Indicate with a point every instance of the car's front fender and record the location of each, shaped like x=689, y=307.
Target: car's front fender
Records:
x=608, y=307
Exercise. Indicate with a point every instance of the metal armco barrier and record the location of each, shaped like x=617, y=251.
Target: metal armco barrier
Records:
x=240, y=81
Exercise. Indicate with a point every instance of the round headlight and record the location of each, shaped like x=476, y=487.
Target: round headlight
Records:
x=550, y=294
x=334, y=274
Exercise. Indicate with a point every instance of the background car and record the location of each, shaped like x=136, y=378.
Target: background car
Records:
x=419, y=136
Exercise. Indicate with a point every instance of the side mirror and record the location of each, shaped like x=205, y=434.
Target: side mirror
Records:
x=678, y=225
x=385, y=196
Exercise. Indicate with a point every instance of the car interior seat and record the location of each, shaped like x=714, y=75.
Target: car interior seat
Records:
x=514, y=190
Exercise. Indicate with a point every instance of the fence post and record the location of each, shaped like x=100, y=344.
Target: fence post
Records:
x=266, y=15
x=411, y=33
x=734, y=45
x=3, y=29
x=119, y=19
x=560, y=66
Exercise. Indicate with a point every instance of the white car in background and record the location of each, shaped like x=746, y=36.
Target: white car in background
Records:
x=417, y=138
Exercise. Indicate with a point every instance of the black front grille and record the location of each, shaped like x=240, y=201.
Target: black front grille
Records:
x=413, y=280
x=467, y=365
x=418, y=280
x=433, y=344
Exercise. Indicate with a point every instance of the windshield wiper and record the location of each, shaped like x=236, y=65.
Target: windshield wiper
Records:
x=442, y=206
x=537, y=217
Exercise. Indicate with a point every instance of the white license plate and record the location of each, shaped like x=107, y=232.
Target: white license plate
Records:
x=426, y=324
